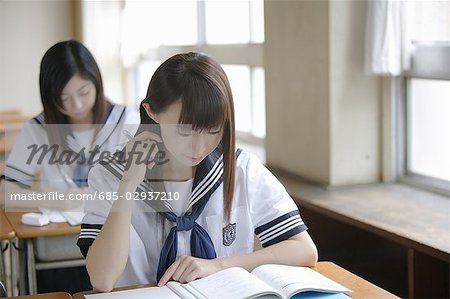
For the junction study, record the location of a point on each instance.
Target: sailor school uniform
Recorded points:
(22, 165)
(261, 207)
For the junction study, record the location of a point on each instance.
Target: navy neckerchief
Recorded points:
(208, 177)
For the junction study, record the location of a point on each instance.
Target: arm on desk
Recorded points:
(108, 254)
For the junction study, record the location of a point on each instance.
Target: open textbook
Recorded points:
(266, 281)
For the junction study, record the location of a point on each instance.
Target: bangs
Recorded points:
(204, 106)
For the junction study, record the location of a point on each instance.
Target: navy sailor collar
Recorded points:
(113, 116)
(208, 177)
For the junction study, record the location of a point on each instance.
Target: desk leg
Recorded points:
(7, 266)
(3, 263)
(22, 265)
(31, 267)
(15, 269)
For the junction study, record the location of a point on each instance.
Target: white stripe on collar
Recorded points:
(213, 178)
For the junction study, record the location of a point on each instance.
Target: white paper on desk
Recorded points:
(35, 219)
(53, 216)
(153, 292)
(73, 217)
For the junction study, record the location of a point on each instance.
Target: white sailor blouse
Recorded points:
(261, 207)
(32, 154)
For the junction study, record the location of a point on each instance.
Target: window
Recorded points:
(426, 102)
(232, 32)
(428, 127)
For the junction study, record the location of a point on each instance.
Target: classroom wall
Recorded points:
(355, 99)
(27, 28)
(296, 59)
(323, 119)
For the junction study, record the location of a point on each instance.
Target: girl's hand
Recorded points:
(140, 155)
(188, 268)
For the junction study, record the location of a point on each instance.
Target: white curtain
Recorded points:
(384, 40)
(395, 27)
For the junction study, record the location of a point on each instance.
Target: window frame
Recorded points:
(428, 61)
(249, 54)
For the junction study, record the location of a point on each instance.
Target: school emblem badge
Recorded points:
(229, 234)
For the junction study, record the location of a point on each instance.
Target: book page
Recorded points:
(152, 292)
(290, 280)
(232, 283)
(184, 291)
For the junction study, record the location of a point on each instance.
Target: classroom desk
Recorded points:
(27, 232)
(58, 295)
(25, 235)
(6, 230)
(10, 126)
(6, 235)
(361, 288)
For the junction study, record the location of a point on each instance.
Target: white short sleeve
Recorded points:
(101, 184)
(274, 213)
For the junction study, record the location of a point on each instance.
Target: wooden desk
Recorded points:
(6, 230)
(361, 288)
(6, 235)
(7, 117)
(10, 126)
(59, 295)
(25, 235)
(26, 231)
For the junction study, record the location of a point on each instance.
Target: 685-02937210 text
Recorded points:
(60, 196)
(149, 195)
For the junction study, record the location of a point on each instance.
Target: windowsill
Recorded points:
(414, 218)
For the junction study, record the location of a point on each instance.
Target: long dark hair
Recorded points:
(207, 102)
(59, 64)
